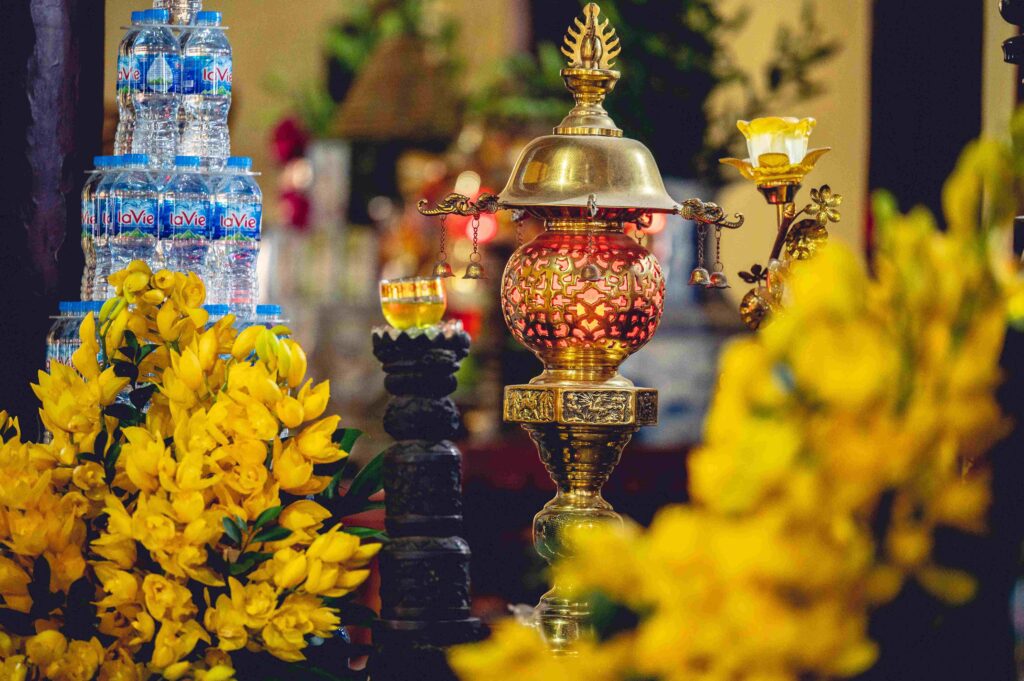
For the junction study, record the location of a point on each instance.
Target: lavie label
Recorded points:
(207, 75)
(239, 222)
(186, 220)
(135, 217)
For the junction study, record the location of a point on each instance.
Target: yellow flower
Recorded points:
(227, 622)
(46, 648)
(256, 602)
(175, 640)
(167, 600)
(314, 442)
(91, 479)
(285, 634)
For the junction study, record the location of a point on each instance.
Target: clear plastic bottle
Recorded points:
(216, 312)
(206, 91)
(183, 12)
(127, 81)
(236, 236)
(157, 59)
(104, 227)
(136, 209)
(186, 224)
(63, 338)
(90, 223)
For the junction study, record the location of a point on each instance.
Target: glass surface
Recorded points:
(413, 302)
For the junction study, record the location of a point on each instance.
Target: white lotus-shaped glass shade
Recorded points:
(777, 135)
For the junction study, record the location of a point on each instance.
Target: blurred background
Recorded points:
(354, 109)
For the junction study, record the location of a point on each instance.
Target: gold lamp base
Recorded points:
(580, 430)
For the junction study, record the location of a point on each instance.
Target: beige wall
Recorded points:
(843, 124)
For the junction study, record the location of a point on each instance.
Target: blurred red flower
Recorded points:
(289, 140)
(295, 209)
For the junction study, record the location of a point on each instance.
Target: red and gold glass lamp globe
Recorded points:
(583, 296)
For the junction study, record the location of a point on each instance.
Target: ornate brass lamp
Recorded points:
(777, 164)
(582, 296)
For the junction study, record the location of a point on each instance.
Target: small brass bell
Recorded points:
(591, 273)
(443, 270)
(699, 277)
(718, 280)
(474, 270)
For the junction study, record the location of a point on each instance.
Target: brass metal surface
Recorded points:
(564, 170)
(583, 404)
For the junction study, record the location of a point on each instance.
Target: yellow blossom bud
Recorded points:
(289, 410)
(291, 568)
(297, 369)
(187, 366)
(46, 647)
(163, 280)
(246, 342)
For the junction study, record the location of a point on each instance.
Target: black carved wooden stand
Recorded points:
(425, 566)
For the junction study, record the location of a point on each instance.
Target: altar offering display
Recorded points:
(583, 296)
(844, 437)
(181, 522)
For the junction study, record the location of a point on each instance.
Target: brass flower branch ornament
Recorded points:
(777, 164)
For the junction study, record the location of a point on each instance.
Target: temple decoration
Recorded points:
(425, 565)
(583, 296)
(777, 164)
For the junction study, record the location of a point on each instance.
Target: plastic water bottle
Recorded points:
(183, 12)
(90, 224)
(157, 59)
(237, 237)
(186, 206)
(206, 91)
(136, 209)
(104, 227)
(215, 312)
(127, 81)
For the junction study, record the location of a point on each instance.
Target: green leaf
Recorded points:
(276, 533)
(231, 529)
(331, 490)
(247, 561)
(112, 456)
(268, 516)
(367, 533)
(369, 480)
(345, 438)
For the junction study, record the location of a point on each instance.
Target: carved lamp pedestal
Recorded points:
(425, 565)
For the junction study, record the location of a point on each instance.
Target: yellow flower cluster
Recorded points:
(170, 516)
(839, 439)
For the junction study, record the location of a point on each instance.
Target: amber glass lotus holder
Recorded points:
(583, 296)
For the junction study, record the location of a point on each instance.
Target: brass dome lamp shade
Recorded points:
(583, 296)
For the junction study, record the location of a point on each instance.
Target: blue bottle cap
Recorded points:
(216, 310)
(243, 162)
(268, 310)
(64, 306)
(160, 16)
(208, 18)
(94, 306)
(186, 161)
(100, 161)
(135, 159)
(138, 17)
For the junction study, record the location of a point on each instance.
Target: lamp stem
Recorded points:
(784, 213)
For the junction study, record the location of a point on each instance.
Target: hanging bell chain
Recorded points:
(475, 270)
(441, 267)
(700, 275)
(717, 279)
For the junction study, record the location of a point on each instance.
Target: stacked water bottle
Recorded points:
(188, 220)
(172, 195)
